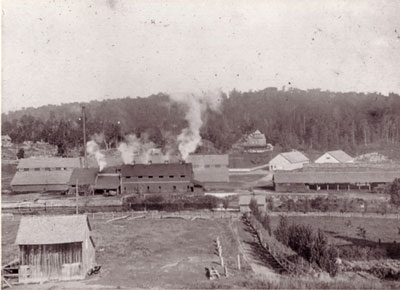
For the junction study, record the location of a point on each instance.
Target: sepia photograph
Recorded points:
(213, 144)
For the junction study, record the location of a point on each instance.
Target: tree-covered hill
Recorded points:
(306, 120)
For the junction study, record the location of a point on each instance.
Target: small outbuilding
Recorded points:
(85, 178)
(244, 202)
(288, 161)
(337, 156)
(54, 248)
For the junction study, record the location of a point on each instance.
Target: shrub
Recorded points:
(394, 191)
(282, 231)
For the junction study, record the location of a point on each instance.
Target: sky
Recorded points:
(62, 51)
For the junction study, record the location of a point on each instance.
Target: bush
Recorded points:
(394, 191)
(282, 231)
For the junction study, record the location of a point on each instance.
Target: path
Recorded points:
(259, 260)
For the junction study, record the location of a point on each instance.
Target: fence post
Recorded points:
(238, 261)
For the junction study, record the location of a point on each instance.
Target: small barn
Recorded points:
(41, 181)
(337, 156)
(210, 167)
(54, 248)
(157, 178)
(244, 202)
(107, 183)
(85, 178)
(288, 161)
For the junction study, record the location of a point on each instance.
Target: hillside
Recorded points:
(311, 120)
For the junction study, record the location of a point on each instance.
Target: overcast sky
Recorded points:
(77, 50)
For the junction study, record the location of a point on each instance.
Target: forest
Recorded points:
(291, 118)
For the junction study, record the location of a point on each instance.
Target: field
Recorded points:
(162, 253)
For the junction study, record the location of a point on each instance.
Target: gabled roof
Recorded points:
(157, 169)
(107, 181)
(340, 156)
(51, 162)
(336, 177)
(85, 176)
(41, 230)
(221, 159)
(245, 199)
(41, 177)
(295, 157)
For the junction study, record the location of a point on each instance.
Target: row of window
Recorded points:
(210, 166)
(43, 169)
(160, 176)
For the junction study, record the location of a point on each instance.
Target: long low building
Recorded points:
(309, 181)
(41, 181)
(157, 178)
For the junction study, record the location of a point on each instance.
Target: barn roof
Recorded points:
(336, 177)
(295, 157)
(41, 177)
(221, 159)
(107, 181)
(83, 175)
(41, 230)
(49, 162)
(245, 199)
(340, 156)
(157, 169)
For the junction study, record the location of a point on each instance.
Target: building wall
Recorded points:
(39, 187)
(290, 187)
(281, 163)
(51, 262)
(326, 158)
(133, 186)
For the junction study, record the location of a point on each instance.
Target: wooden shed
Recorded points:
(54, 248)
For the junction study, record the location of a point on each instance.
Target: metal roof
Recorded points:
(107, 181)
(340, 156)
(45, 230)
(336, 177)
(41, 177)
(49, 162)
(157, 169)
(295, 157)
(83, 175)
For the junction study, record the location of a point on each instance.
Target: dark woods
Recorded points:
(294, 118)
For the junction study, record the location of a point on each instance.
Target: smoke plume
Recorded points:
(196, 105)
(93, 149)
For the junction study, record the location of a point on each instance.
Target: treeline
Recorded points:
(301, 119)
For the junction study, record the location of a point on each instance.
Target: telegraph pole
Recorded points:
(84, 135)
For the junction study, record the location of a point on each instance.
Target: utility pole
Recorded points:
(84, 135)
(76, 197)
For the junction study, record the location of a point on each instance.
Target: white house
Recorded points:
(288, 161)
(337, 156)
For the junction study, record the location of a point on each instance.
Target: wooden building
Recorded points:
(308, 181)
(56, 248)
(157, 178)
(41, 181)
(107, 183)
(210, 167)
(337, 156)
(85, 178)
(288, 161)
(49, 164)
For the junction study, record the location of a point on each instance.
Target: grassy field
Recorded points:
(344, 230)
(162, 253)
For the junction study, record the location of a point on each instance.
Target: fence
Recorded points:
(188, 215)
(337, 214)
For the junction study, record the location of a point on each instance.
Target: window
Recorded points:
(26, 169)
(217, 166)
(174, 187)
(140, 176)
(58, 168)
(207, 166)
(37, 169)
(161, 176)
(47, 169)
(150, 176)
(127, 177)
(171, 176)
(183, 176)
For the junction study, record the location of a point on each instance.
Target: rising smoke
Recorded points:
(196, 105)
(93, 149)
